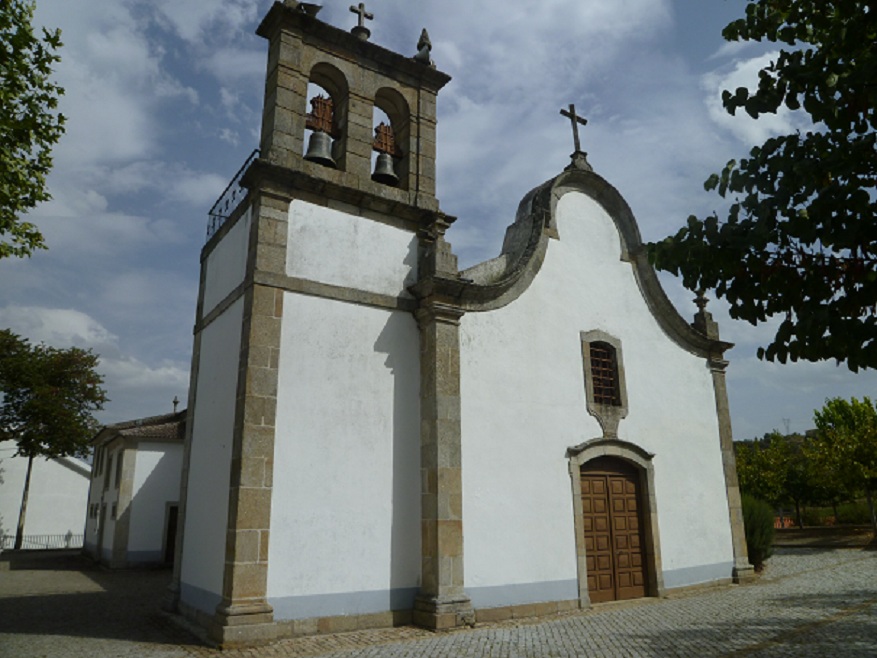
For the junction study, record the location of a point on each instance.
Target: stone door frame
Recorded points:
(642, 461)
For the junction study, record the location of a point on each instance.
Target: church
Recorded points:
(376, 437)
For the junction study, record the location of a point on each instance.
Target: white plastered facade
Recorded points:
(523, 405)
(348, 423)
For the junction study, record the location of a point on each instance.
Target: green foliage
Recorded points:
(29, 125)
(758, 526)
(853, 514)
(776, 469)
(800, 238)
(846, 445)
(48, 397)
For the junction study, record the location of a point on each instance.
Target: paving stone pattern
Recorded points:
(809, 603)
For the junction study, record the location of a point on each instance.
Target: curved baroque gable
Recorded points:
(499, 281)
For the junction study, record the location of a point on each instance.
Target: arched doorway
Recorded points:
(616, 523)
(613, 525)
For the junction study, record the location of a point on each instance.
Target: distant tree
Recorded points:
(846, 445)
(800, 239)
(48, 397)
(29, 125)
(777, 469)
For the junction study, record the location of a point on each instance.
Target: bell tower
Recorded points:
(328, 141)
(314, 275)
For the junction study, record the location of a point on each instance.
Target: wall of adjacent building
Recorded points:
(523, 405)
(56, 507)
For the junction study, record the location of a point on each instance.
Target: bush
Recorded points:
(853, 514)
(758, 526)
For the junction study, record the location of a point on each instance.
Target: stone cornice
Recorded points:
(284, 17)
(270, 178)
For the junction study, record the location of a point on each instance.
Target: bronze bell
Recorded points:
(385, 172)
(320, 149)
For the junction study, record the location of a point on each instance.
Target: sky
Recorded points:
(163, 103)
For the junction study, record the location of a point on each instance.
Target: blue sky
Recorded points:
(164, 103)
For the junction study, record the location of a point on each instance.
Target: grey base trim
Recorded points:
(696, 575)
(346, 603)
(523, 593)
(145, 557)
(198, 598)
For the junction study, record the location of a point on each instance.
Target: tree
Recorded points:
(48, 397)
(776, 469)
(29, 125)
(800, 238)
(846, 445)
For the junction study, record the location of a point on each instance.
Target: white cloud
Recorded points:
(744, 73)
(58, 327)
(135, 388)
(197, 189)
(195, 21)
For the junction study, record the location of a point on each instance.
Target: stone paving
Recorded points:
(809, 603)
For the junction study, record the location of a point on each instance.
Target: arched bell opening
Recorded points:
(326, 117)
(391, 148)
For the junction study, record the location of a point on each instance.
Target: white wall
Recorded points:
(345, 517)
(524, 404)
(57, 499)
(156, 483)
(329, 246)
(206, 521)
(226, 264)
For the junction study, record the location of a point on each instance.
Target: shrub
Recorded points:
(853, 514)
(758, 526)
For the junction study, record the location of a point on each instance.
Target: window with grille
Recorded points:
(604, 374)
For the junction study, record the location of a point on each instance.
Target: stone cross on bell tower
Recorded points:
(360, 30)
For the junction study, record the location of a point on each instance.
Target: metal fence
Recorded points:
(229, 199)
(31, 542)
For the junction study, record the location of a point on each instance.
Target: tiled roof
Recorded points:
(167, 427)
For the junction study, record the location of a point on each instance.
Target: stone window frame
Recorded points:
(641, 460)
(608, 415)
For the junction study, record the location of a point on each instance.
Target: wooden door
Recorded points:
(170, 533)
(613, 525)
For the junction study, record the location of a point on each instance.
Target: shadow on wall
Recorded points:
(140, 532)
(400, 341)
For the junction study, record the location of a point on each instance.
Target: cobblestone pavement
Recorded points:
(809, 603)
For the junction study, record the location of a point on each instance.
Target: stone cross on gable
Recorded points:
(363, 14)
(579, 157)
(575, 120)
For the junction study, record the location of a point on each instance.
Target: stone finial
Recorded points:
(703, 319)
(424, 46)
(360, 30)
(309, 8)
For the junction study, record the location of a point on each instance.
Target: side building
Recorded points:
(133, 498)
